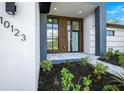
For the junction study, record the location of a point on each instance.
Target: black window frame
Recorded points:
(71, 31)
(53, 35)
(113, 32)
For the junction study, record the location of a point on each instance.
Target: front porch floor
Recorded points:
(68, 56)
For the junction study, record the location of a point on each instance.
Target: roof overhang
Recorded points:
(112, 25)
(73, 9)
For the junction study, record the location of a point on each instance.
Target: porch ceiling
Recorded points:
(72, 9)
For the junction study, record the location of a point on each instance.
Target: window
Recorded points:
(52, 34)
(110, 33)
(73, 32)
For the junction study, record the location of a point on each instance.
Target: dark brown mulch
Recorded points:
(50, 81)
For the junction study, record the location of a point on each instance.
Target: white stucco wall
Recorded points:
(89, 34)
(19, 60)
(117, 41)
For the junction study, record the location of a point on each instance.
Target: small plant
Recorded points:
(84, 61)
(119, 79)
(117, 52)
(87, 82)
(66, 79)
(107, 55)
(121, 60)
(46, 65)
(110, 88)
(109, 52)
(76, 87)
(99, 70)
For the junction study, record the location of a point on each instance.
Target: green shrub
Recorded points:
(117, 52)
(99, 70)
(121, 60)
(110, 53)
(46, 65)
(110, 88)
(107, 55)
(87, 82)
(119, 79)
(76, 87)
(84, 61)
(66, 79)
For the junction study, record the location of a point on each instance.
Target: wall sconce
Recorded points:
(10, 8)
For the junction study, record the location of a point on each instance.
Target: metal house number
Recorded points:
(15, 31)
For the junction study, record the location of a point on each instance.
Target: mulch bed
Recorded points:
(50, 81)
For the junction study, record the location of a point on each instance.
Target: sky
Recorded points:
(115, 10)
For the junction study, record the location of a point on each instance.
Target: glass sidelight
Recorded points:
(73, 35)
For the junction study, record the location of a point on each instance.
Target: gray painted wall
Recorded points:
(100, 23)
(43, 37)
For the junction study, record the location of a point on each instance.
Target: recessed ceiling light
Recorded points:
(79, 12)
(50, 20)
(55, 8)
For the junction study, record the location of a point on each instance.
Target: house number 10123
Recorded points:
(14, 30)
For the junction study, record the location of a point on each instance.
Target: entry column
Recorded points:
(43, 37)
(100, 27)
